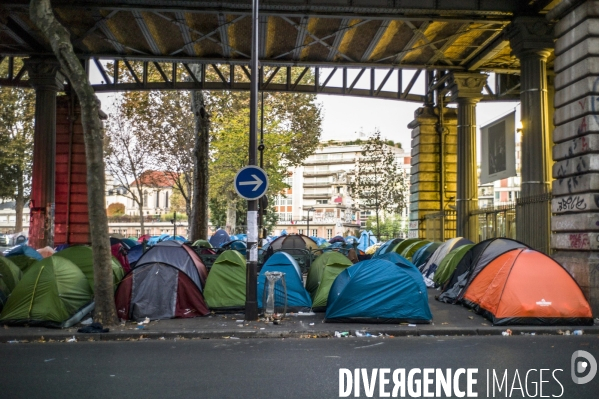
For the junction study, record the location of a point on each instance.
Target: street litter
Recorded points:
(72, 339)
(578, 332)
(507, 333)
(239, 321)
(87, 322)
(411, 325)
(311, 324)
(234, 338)
(146, 321)
(341, 334)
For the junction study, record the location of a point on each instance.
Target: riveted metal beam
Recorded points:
(375, 40)
(184, 29)
(141, 23)
(224, 35)
(301, 38)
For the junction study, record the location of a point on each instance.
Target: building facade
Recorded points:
(318, 202)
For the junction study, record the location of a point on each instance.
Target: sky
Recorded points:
(344, 117)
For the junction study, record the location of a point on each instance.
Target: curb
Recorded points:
(299, 334)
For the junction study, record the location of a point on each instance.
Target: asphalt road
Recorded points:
(282, 368)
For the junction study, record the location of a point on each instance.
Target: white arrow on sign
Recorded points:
(257, 182)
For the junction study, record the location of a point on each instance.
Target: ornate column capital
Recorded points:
(44, 73)
(530, 36)
(467, 86)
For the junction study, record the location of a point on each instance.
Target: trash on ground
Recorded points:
(239, 321)
(146, 321)
(87, 322)
(311, 324)
(578, 332)
(411, 325)
(341, 334)
(507, 333)
(72, 339)
(94, 328)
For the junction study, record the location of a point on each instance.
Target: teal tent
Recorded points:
(379, 291)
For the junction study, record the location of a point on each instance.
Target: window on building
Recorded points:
(322, 202)
(300, 231)
(314, 233)
(157, 200)
(329, 234)
(166, 200)
(497, 195)
(145, 198)
(510, 195)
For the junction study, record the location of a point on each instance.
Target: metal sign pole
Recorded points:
(251, 304)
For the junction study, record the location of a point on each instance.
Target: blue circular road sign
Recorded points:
(251, 182)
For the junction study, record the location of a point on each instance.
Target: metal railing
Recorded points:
(534, 221)
(498, 221)
(440, 226)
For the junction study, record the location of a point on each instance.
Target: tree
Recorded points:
(378, 183)
(115, 209)
(16, 145)
(291, 133)
(175, 127)
(42, 16)
(130, 155)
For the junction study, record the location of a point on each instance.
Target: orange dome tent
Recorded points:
(524, 286)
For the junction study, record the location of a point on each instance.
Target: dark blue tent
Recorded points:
(386, 247)
(424, 253)
(218, 238)
(298, 299)
(134, 254)
(237, 245)
(379, 291)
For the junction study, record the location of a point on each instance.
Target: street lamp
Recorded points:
(308, 220)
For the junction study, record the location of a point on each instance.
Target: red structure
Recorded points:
(71, 222)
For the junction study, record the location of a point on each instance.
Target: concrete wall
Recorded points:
(575, 223)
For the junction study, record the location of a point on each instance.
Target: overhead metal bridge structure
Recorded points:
(432, 52)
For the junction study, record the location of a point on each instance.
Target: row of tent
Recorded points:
(502, 279)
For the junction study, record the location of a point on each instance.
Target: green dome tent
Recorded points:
(82, 257)
(201, 244)
(53, 292)
(412, 248)
(402, 245)
(449, 262)
(23, 262)
(10, 275)
(225, 286)
(322, 273)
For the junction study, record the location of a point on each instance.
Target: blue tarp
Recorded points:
(24, 250)
(219, 237)
(366, 239)
(298, 298)
(379, 291)
(351, 240)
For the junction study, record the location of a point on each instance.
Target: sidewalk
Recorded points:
(448, 320)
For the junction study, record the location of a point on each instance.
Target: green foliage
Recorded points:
(17, 111)
(390, 227)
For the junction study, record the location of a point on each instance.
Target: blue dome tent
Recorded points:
(379, 291)
(298, 298)
(219, 238)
